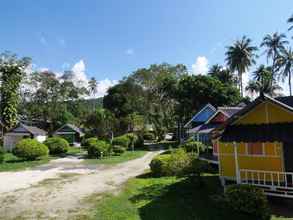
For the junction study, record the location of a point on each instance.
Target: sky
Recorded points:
(109, 39)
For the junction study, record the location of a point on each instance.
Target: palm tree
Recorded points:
(285, 64)
(263, 82)
(239, 57)
(273, 44)
(92, 88)
(223, 74)
(290, 21)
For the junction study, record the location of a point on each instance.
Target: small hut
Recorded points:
(71, 133)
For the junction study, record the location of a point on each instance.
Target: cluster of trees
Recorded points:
(162, 95)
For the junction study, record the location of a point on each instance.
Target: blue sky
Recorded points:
(111, 38)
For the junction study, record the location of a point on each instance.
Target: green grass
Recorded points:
(112, 160)
(13, 163)
(166, 198)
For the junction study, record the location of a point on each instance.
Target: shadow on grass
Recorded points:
(184, 201)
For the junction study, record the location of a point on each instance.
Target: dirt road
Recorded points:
(57, 190)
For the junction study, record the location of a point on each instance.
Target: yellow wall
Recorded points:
(272, 160)
(266, 113)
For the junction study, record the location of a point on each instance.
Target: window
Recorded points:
(255, 149)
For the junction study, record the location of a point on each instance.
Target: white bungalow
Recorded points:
(11, 138)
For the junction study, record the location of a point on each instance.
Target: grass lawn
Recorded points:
(111, 160)
(167, 198)
(13, 163)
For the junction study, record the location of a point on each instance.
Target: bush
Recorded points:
(132, 139)
(30, 149)
(149, 136)
(89, 141)
(172, 164)
(122, 140)
(248, 199)
(99, 149)
(57, 145)
(2, 152)
(194, 146)
(118, 150)
(139, 142)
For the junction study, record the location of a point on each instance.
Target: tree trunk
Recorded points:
(241, 85)
(290, 84)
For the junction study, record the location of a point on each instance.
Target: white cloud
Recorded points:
(129, 51)
(200, 66)
(103, 86)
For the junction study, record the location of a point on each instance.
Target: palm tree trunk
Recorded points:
(290, 84)
(241, 84)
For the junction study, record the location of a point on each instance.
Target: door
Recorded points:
(288, 156)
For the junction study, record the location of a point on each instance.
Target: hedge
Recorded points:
(89, 141)
(2, 153)
(122, 141)
(248, 199)
(30, 149)
(118, 150)
(57, 145)
(99, 149)
(194, 146)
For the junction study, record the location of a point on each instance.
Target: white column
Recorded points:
(238, 177)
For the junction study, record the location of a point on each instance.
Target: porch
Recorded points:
(273, 183)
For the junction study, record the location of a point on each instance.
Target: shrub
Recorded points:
(248, 199)
(194, 146)
(118, 150)
(89, 141)
(98, 149)
(2, 152)
(30, 149)
(57, 145)
(172, 164)
(149, 136)
(122, 140)
(140, 141)
(132, 139)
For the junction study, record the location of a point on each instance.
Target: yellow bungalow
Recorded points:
(255, 146)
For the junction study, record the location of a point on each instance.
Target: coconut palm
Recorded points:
(240, 56)
(92, 89)
(263, 82)
(273, 44)
(290, 21)
(285, 64)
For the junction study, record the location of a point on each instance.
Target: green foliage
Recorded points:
(193, 146)
(89, 141)
(99, 149)
(12, 73)
(149, 136)
(30, 149)
(122, 140)
(118, 150)
(172, 164)
(2, 153)
(57, 145)
(248, 199)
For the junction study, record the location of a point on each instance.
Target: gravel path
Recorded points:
(57, 190)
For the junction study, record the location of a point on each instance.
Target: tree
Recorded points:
(285, 64)
(273, 44)
(239, 57)
(12, 71)
(92, 88)
(263, 82)
(222, 74)
(290, 21)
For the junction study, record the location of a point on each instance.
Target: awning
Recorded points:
(281, 132)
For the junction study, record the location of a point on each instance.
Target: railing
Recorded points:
(271, 179)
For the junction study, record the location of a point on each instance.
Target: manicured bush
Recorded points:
(57, 145)
(89, 141)
(99, 149)
(122, 140)
(248, 199)
(194, 146)
(132, 139)
(172, 164)
(118, 150)
(149, 136)
(2, 152)
(30, 149)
